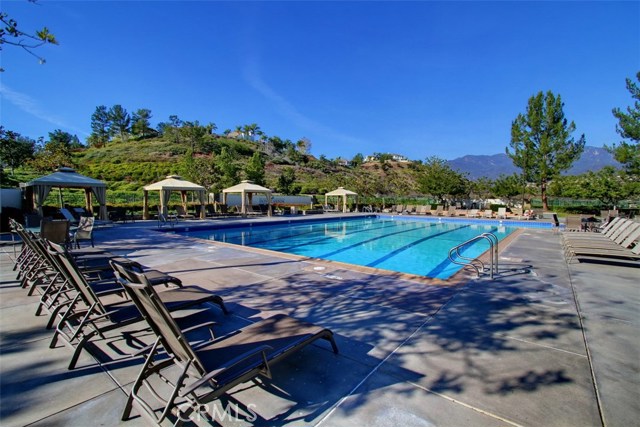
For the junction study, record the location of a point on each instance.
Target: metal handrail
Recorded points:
(472, 262)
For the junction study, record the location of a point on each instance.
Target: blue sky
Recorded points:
(418, 78)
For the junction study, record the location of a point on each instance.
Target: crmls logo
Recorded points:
(214, 413)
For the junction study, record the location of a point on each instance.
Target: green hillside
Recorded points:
(128, 166)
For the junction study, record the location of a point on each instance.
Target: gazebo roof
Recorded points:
(174, 182)
(341, 191)
(246, 187)
(66, 177)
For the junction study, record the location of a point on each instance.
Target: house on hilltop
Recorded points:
(386, 156)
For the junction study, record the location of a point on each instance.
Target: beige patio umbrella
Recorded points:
(341, 192)
(246, 190)
(165, 187)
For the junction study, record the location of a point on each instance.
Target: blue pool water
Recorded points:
(415, 247)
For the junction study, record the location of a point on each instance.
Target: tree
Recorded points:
(254, 169)
(100, 125)
(439, 180)
(227, 167)
(193, 133)
(251, 131)
(628, 153)
(277, 143)
(304, 145)
(285, 181)
(606, 185)
(55, 153)
(542, 143)
(482, 187)
(140, 123)
(11, 35)
(201, 170)
(357, 160)
(171, 130)
(507, 186)
(120, 121)
(15, 149)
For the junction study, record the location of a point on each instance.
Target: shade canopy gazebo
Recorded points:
(341, 192)
(246, 190)
(165, 187)
(39, 188)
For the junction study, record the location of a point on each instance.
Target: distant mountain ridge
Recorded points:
(492, 166)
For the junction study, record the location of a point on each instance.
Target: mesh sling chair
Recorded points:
(89, 316)
(56, 231)
(207, 371)
(84, 231)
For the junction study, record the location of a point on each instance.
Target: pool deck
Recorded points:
(544, 343)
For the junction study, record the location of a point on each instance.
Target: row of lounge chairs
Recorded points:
(618, 242)
(453, 211)
(91, 292)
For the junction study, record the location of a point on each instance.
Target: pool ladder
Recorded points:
(456, 258)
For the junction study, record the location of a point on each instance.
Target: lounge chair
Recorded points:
(68, 216)
(81, 322)
(439, 210)
(502, 213)
(623, 237)
(603, 254)
(84, 231)
(204, 373)
(451, 211)
(56, 231)
(182, 213)
(472, 213)
(421, 210)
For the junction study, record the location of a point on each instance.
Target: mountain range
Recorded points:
(492, 166)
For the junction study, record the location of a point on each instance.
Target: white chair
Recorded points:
(84, 231)
(502, 213)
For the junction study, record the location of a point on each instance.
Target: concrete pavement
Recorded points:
(522, 349)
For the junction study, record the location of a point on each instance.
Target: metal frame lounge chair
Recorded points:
(623, 237)
(89, 316)
(66, 213)
(604, 254)
(56, 231)
(182, 213)
(205, 372)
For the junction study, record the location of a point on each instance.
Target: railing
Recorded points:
(475, 262)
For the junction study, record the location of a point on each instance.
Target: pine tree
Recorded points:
(542, 143)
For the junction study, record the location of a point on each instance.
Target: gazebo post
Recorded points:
(87, 201)
(344, 204)
(183, 197)
(202, 205)
(244, 203)
(145, 204)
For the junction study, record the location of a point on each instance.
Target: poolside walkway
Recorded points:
(522, 349)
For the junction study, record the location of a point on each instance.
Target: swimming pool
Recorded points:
(406, 246)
